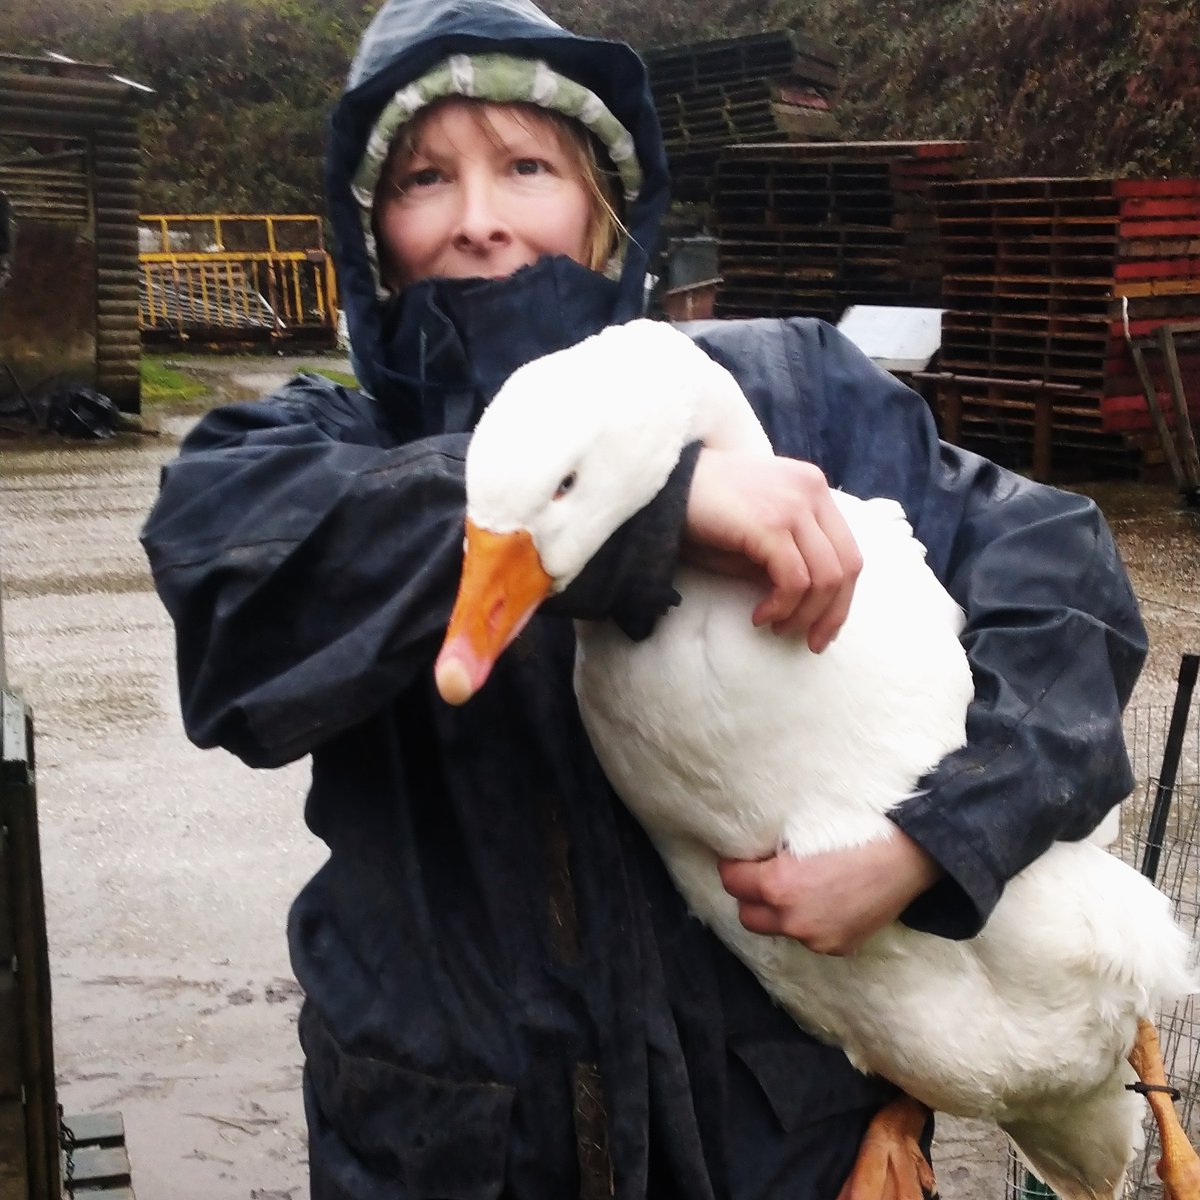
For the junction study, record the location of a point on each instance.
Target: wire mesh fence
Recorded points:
(1159, 835)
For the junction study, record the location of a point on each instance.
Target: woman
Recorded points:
(504, 994)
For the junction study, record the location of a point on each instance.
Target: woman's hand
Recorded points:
(831, 902)
(775, 519)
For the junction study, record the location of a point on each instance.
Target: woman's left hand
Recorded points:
(830, 902)
(774, 519)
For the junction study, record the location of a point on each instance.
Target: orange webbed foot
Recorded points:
(1179, 1167)
(891, 1164)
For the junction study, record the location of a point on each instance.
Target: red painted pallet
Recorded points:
(1063, 264)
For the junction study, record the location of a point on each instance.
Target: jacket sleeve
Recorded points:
(1053, 633)
(307, 567)
(1055, 642)
(310, 566)
(1053, 636)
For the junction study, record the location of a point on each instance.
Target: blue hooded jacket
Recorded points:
(505, 994)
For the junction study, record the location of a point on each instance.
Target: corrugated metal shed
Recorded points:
(70, 166)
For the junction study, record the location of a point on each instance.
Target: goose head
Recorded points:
(571, 447)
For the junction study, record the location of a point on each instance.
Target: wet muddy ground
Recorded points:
(168, 871)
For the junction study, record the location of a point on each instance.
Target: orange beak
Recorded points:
(503, 582)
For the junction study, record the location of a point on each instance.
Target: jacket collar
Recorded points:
(447, 345)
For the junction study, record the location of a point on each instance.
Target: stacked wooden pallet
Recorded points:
(760, 88)
(1043, 279)
(1157, 283)
(811, 228)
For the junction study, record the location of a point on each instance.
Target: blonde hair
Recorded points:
(583, 152)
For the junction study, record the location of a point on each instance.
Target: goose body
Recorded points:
(727, 740)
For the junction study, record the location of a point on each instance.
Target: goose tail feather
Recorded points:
(1083, 1150)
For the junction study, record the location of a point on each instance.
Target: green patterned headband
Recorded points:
(500, 79)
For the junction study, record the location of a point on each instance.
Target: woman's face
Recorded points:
(481, 197)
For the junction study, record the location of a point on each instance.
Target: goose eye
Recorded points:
(568, 482)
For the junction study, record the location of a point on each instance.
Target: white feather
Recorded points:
(725, 739)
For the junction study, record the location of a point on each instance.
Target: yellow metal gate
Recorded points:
(223, 277)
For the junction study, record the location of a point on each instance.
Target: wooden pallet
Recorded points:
(1174, 421)
(1026, 423)
(811, 228)
(1059, 263)
(675, 69)
(761, 88)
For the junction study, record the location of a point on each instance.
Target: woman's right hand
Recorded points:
(775, 520)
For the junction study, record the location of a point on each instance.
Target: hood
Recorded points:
(434, 355)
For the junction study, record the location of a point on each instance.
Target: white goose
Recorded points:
(725, 739)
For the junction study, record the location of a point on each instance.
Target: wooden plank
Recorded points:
(1139, 328)
(1188, 457)
(12, 1073)
(949, 407)
(1158, 268)
(1128, 415)
(1160, 247)
(1158, 187)
(1147, 229)
(7, 918)
(14, 1175)
(18, 812)
(1164, 287)
(1150, 395)
(1146, 208)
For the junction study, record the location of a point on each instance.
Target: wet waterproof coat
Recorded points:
(505, 995)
